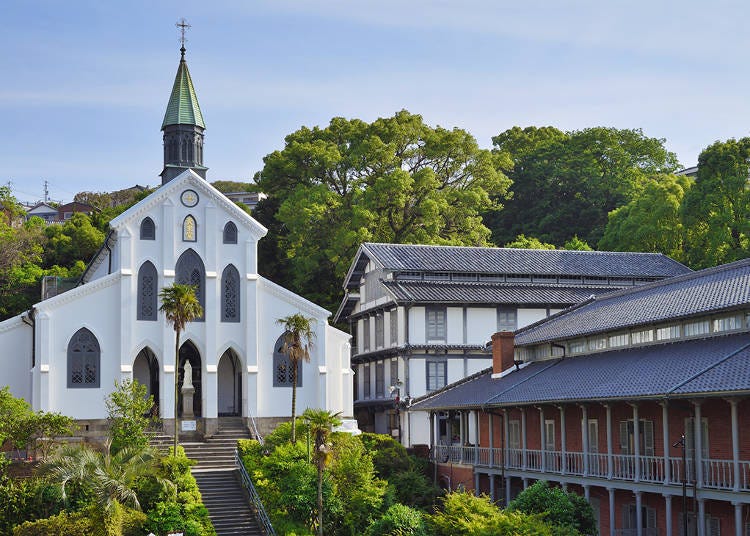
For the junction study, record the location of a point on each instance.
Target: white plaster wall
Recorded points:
(455, 369)
(417, 377)
(454, 325)
(339, 374)
(529, 316)
(15, 356)
(481, 323)
(417, 325)
(419, 428)
(474, 365)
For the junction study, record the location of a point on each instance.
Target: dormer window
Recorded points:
(148, 229)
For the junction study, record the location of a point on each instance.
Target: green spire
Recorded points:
(183, 108)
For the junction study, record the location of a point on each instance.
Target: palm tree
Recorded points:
(321, 422)
(298, 341)
(180, 304)
(111, 477)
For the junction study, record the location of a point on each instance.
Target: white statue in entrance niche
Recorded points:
(187, 391)
(187, 377)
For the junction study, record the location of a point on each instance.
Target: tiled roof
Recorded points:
(183, 108)
(410, 257)
(718, 365)
(704, 292)
(491, 293)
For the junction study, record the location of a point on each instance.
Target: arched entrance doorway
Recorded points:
(146, 372)
(188, 352)
(229, 374)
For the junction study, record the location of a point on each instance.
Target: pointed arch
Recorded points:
(189, 353)
(230, 233)
(146, 372)
(189, 270)
(230, 294)
(229, 379)
(84, 360)
(189, 229)
(148, 284)
(148, 229)
(282, 368)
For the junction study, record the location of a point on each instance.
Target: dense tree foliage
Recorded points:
(557, 507)
(716, 210)
(129, 415)
(565, 183)
(394, 180)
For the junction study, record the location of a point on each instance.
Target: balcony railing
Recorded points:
(716, 474)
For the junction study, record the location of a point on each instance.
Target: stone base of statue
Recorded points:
(187, 402)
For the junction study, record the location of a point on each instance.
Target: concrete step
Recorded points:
(227, 503)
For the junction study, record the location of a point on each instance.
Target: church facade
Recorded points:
(67, 352)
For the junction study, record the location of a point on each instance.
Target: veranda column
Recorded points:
(432, 433)
(506, 436)
(492, 487)
(587, 492)
(636, 446)
(668, 512)
(638, 512)
(524, 454)
(610, 464)
(737, 518)
(507, 490)
(491, 425)
(611, 492)
(698, 440)
(701, 517)
(563, 441)
(461, 435)
(585, 430)
(476, 437)
(735, 445)
(542, 440)
(667, 442)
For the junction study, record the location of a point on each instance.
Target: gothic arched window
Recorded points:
(189, 229)
(282, 368)
(84, 356)
(148, 229)
(230, 294)
(190, 271)
(230, 233)
(147, 292)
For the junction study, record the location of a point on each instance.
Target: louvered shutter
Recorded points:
(624, 443)
(648, 438)
(650, 518)
(713, 526)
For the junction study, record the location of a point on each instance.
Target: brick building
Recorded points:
(562, 398)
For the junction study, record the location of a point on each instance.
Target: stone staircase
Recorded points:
(218, 478)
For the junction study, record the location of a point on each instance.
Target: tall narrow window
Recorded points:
(366, 380)
(394, 372)
(148, 229)
(435, 324)
(230, 294)
(366, 334)
(380, 379)
(437, 372)
(147, 292)
(645, 434)
(84, 357)
(189, 229)
(190, 271)
(230, 233)
(393, 320)
(282, 367)
(379, 331)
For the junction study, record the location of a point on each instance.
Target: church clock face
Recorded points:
(189, 198)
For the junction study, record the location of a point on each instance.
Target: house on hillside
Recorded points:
(67, 352)
(42, 210)
(66, 211)
(623, 398)
(421, 316)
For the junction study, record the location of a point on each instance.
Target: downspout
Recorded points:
(30, 321)
(109, 253)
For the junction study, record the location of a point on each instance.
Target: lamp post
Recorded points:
(397, 404)
(681, 444)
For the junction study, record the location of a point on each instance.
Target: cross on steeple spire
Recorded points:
(183, 25)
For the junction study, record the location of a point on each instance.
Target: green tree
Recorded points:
(394, 180)
(320, 422)
(651, 221)
(565, 183)
(399, 520)
(21, 250)
(716, 210)
(180, 305)
(558, 506)
(298, 340)
(576, 244)
(112, 477)
(226, 187)
(129, 410)
(76, 239)
(528, 242)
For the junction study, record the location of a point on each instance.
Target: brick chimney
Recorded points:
(502, 351)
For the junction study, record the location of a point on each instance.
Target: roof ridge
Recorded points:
(706, 369)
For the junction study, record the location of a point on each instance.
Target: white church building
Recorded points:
(67, 352)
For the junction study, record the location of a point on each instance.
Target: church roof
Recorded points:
(183, 108)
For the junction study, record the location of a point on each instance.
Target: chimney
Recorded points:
(502, 352)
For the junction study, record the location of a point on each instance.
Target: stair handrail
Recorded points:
(255, 429)
(260, 511)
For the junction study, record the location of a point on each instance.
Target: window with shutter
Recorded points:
(514, 434)
(549, 435)
(366, 334)
(380, 379)
(394, 372)
(435, 324)
(379, 331)
(436, 374)
(506, 319)
(366, 380)
(690, 437)
(646, 433)
(624, 438)
(393, 320)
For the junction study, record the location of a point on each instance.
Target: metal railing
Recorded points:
(716, 474)
(260, 513)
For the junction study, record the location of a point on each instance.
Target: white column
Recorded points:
(507, 490)
(210, 361)
(637, 446)
(506, 435)
(492, 487)
(698, 438)
(585, 430)
(563, 441)
(735, 444)
(587, 492)
(668, 513)
(491, 425)
(701, 517)
(610, 464)
(476, 484)
(250, 319)
(476, 437)
(737, 518)
(667, 442)
(432, 431)
(638, 512)
(611, 492)
(543, 440)
(524, 462)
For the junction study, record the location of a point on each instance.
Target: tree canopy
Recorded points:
(394, 180)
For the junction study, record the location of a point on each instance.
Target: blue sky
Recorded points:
(84, 84)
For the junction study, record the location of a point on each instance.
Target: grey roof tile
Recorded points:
(707, 291)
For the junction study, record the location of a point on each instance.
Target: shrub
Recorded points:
(388, 455)
(128, 408)
(399, 520)
(558, 506)
(80, 523)
(413, 488)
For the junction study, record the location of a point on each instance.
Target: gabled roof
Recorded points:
(41, 208)
(183, 108)
(485, 260)
(703, 367)
(697, 293)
